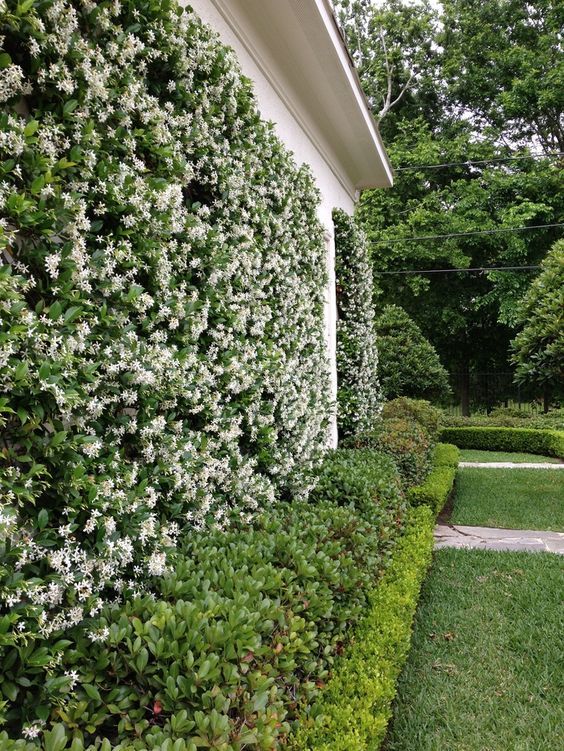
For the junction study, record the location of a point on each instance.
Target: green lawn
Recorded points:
(511, 498)
(486, 670)
(473, 455)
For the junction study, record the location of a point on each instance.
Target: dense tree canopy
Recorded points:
(473, 122)
(539, 346)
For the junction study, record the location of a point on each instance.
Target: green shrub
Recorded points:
(538, 349)
(435, 490)
(406, 442)
(509, 419)
(446, 455)
(364, 478)
(408, 364)
(244, 627)
(353, 711)
(528, 440)
(418, 410)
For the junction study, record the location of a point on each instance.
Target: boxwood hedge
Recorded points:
(353, 712)
(529, 440)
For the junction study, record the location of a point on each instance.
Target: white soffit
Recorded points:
(298, 46)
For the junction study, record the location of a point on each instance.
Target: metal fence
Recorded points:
(482, 392)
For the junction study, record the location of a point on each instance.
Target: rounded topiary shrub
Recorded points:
(162, 355)
(418, 410)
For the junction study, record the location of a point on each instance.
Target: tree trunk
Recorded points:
(546, 400)
(465, 390)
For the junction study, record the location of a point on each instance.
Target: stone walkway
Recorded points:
(489, 538)
(513, 465)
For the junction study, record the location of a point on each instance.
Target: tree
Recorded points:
(469, 317)
(408, 363)
(393, 50)
(503, 61)
(539, 346)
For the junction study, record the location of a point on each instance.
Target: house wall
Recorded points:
(299, 136)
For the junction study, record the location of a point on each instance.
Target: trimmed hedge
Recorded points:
(508, 418)
(548, 442)
(353, 712)
(446, 455)
(434, 492)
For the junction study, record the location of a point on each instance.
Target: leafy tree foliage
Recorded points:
(503, 61)
(539, 346)
(408, 363)
(465, 76)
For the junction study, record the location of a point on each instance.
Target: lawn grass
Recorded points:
(474, 455)
(510, 498)
(486, 670)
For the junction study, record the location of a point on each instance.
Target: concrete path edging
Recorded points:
(490, 538)
(512, 465)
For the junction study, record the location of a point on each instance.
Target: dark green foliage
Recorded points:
(245, 627)
(407, 443)
(539, 346)
(361, 477)
(408, 364)
(353, 712)
(478, 80)
(503, 61)
(550, 442)
(418, 410)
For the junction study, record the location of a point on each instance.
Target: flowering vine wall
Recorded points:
(162, 354)
(358, 394)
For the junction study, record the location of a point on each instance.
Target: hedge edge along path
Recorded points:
(354, 711)
(528, 440)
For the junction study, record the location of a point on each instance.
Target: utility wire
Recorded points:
(458, 271)
(465, 234)
(470, 163)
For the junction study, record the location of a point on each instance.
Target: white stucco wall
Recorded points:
(334, 193)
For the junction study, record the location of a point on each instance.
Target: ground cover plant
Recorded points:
(163, 360)
(510, 498)
(485, 669)
(474, 455)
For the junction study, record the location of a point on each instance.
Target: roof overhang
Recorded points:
(299, 47)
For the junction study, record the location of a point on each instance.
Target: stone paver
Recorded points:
(512, 465)
(489, 538)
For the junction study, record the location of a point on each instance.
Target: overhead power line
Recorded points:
(471, 163)
(459, 271)
(465, 234)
